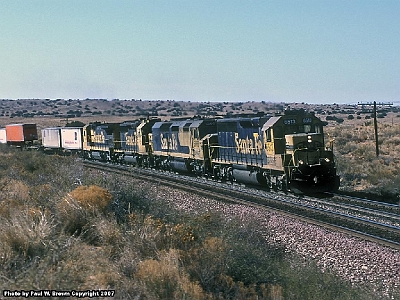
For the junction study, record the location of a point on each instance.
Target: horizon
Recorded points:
(316, 52)
(393, 103)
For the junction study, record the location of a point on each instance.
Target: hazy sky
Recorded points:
(315, 51)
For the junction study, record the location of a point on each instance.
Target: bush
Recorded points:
(82, 206)
(92, 197)
(27, 233)
(166, 279)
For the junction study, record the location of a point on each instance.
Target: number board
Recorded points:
(289, 121)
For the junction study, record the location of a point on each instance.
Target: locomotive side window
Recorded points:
(195, 133)
(268, 135)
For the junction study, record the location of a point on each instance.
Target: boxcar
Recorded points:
(71, 138)
(51, 139)
(21, 134)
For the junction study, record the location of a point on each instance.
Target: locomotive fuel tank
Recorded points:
(245, 174)
(180, 165)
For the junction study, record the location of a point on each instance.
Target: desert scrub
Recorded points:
(79, 208)
(357, 164)
(165, 278)
(92, 197)
(27, 233)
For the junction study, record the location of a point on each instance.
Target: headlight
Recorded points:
(327, 160)
(301, 162)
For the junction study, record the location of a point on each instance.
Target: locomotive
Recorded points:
(284, 152)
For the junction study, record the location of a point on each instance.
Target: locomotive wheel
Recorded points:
(281, 185)
(270, 185)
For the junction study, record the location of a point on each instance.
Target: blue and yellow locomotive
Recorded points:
(280, 152)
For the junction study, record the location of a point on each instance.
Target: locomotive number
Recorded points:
(289, 121)
(307, 120)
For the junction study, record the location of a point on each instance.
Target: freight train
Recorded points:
(285, 152)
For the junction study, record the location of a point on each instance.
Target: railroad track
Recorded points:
(375, 222)
(379, 212)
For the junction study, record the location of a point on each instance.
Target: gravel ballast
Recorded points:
(353, 259)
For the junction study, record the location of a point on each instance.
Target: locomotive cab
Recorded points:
(295, 144)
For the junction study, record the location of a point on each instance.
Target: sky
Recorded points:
(313, 51)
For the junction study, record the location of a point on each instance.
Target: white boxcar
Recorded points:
(51, 138)
(71, 138)
(3, 136)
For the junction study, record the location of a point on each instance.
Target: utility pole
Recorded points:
(376, 131)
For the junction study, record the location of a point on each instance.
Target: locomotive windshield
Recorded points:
(306, 128)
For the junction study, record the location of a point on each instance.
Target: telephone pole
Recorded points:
(376, 131)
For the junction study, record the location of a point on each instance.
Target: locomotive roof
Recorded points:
(271, 122)
(162, 125)
(207, 122)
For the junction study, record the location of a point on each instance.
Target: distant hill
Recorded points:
(71, 108)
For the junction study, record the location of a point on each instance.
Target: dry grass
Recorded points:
(165, 278)
(80, 208)
(92, 197)
(27, 232)
(358, 165)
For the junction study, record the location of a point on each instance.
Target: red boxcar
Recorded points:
(21, 133)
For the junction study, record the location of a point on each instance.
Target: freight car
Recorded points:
(62, 140)
(3, 136)
(21, 134)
